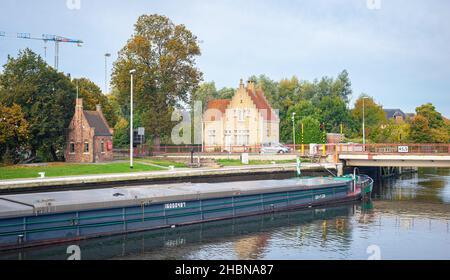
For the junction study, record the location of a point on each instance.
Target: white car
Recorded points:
(275, 149)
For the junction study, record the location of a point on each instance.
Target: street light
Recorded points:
(131, 119)
(364, 121)
(106, 71)
(293, 127)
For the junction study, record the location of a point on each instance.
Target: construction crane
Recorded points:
(46, 38)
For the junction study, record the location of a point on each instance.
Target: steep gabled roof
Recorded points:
(219, 104)
(262, 104)
(96, 121)
(391, 113)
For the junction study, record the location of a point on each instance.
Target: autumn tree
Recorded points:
(163, 55)
(92, 96)
(420, 130)
(47, 100)
(14, 133)
(429, 126)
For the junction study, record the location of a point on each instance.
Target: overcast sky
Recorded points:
(399, 54)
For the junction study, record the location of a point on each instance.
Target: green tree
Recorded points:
(14, 132)
(205, 93)
(312, 133)
(333, 113)
(92, 96)
(47, 99)
(342, 87)
(302, 110)
(393, 133)
(374, 114)
(121, 133)
(163, 55)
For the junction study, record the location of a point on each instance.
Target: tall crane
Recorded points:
(46, 38)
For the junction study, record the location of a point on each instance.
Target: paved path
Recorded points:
(181, 173)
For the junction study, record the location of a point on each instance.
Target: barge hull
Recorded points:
(57, 227)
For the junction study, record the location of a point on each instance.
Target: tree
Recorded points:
(374, 115)
(435, 119)
(333, 113)
(342, 87)
(163, 55)
(92, 96)
(393, 133)
(205, 93)
(47, 99)
(429, 126)
(420, 130)
(121, 133)
(312, 133)
(14, 132)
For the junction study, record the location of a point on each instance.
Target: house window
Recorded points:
(243, 138)
(241, 115)
(72, 148)
(212, 137)
(102, 147)
(86, 147)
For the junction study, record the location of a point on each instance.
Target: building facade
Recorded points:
(242, 123)
(89, 137)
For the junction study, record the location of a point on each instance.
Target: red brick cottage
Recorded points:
(89, 137)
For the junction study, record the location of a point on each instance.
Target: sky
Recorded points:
(397, 51)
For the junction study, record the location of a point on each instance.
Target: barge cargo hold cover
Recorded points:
(52, 217)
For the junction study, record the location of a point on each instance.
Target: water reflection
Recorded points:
(408, 219)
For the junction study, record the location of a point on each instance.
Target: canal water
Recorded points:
(408, 218)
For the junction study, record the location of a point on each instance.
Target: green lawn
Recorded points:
(163, 162)
(62, 169)
(236, 162)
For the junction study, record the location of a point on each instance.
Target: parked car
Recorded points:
(274, 148)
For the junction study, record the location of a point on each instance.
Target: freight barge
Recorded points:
(46, 218)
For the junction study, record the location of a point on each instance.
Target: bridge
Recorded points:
(394, 155)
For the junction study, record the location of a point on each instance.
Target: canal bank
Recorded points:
(230, 173)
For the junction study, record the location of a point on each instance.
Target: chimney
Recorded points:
(98, 108)
(251, 85)
(79, 104)
(241, 84)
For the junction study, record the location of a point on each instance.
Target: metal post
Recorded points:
(56, 55)
(303, 140)
(293, 128)
(364, 123)
(131, 120)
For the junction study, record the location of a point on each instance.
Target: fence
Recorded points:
(322, 150)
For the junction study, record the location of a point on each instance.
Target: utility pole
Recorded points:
(106, 71)
(364, 121)
(131, 119)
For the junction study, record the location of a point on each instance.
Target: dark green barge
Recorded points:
(46, 218)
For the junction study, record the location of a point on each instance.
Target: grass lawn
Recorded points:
(62, 169)
(236, 162)
(163, 162)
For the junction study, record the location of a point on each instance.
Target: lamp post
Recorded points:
(106, 71)
(364, 121)
(293, 128)
(131, 119)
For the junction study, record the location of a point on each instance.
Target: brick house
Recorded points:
(89, 137)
